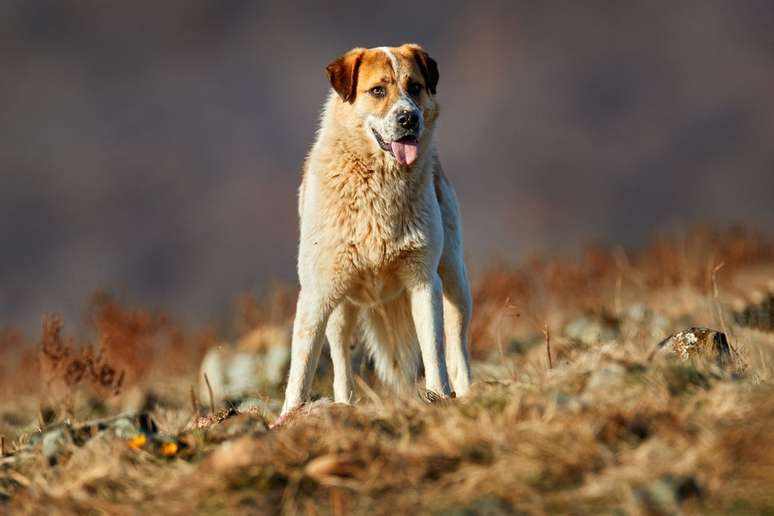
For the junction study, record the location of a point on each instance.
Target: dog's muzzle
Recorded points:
(404, 149)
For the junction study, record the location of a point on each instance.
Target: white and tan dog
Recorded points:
(381, 247)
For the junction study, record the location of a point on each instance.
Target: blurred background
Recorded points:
(153, 149)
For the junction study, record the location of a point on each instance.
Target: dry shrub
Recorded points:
(492, 300)
(128, 337)
(11, 341)
(688, 260)
(64, 361)
(183, 349)
(130, 344)
(276, 308)
(538, 288)
(142, 341)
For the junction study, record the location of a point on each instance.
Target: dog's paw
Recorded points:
(286, 416)
(433, 397)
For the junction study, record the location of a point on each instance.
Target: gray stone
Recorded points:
(608, 377)
(590, 330)
(255, 364)
(568, 402)
(665, 494)
(124, 428)
(54, 442)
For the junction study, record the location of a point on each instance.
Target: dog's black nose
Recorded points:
(408, 119)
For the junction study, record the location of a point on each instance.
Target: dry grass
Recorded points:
(571, 411)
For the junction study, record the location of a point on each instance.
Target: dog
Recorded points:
(380, 248)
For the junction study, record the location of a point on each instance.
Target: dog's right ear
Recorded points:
(343, 74)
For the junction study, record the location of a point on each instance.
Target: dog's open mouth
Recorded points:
(404, 149)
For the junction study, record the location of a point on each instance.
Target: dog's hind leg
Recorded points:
(339, 332)
(391, 341)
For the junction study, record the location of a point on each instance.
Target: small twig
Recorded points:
(547, 335)
(209, 390)
(194, 404)
(119, 383)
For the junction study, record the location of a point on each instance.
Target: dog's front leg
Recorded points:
(427, 311)
(457, 308)
(308, 333)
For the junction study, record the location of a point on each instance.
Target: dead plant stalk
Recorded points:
(547, 335)
(209, 391)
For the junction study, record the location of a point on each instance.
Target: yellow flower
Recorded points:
(169, 449)
(138, 441)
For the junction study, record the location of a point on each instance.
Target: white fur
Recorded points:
(380, 251)
(393, 60)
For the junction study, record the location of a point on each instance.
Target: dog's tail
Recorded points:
(391, 342)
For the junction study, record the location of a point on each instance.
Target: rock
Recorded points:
(276, 361)
(569, 402)
(53, 444)
(55, 439)
(608, 377)
(758, 314)
(124, 428)
(258, 362)
(639, 319)
(750, 297)
(665, 494)
(637, 312)
(658, 326)
(697, 344)
(592, 330)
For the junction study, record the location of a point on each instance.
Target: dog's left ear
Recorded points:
(343, 74)
(427, 66)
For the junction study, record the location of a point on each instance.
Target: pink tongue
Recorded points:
(404, 152)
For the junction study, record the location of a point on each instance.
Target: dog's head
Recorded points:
(388, 94)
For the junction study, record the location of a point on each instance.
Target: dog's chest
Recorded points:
(381, 218)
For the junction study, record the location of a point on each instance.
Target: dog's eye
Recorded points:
(414, 88)
(377, 91)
